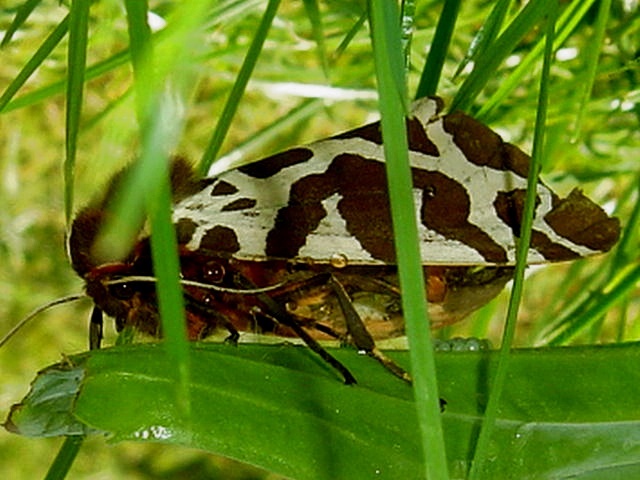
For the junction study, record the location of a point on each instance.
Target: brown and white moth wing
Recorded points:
(330, 199)
(476, 186)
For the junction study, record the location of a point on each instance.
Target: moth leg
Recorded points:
(330, 331)
(95, 329)
(362, 339)
(310, 342)
(233, 337)
(283, 317)
(320, 279)
(221, 319)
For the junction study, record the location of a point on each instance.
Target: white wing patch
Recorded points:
(332, 238)
(271, 194)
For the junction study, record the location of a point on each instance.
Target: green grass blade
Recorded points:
(388, 55)
(597, 305)
(239, 86)
(162, 123)
(139, 32)
(592, 54)
(569, 20)
(407, 25)
(21, 17)
(392, 71)
(439, 47)
(140, 49)
(34, 62)
(164, 249)
(76, 62)
(607, 286)
(241, 154)
(486, 34)
(317, 31)
(57, 88)
(65, 458)
(353, 31)
(488, 63)
(162, 85)
(482, 451)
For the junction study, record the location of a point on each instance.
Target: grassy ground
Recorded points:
(601, 157)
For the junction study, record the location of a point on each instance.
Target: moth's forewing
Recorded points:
(330, 198)
(324, 208)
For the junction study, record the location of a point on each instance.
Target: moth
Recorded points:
(296, 244)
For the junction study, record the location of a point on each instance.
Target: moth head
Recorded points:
(124, 290)
(129, 303)
(104, 270)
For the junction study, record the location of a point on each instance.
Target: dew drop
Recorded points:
(339, 260)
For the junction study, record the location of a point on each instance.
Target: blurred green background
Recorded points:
(334, 92)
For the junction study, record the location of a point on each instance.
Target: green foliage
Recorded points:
(261, 402)
(209, 77)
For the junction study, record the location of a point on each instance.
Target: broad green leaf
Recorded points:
(566, 412)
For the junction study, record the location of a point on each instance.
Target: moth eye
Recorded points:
(122, 291)
(213, 272)
(430, 192)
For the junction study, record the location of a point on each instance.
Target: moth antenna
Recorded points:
(37, 311)
(192, 283)
(246, 291)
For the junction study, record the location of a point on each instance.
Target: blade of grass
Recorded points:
(407, 16)
(627, 248)
(571, 17)
(481, 454)
(169, 75)
(486, 35)
(317, 30)
(581, 311)
(65, 458)
(164, 81)
(36, 96)
(235, 157)
(388, 57)
(164, 247)
(215, 143)
(76, 64)
(598, 305)
(21, 16)
(34, 62)
(592, 55)
(488, 63)
(439, 47)
(346, 41)
(163, 86)
(164, 250)
(140, 49)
